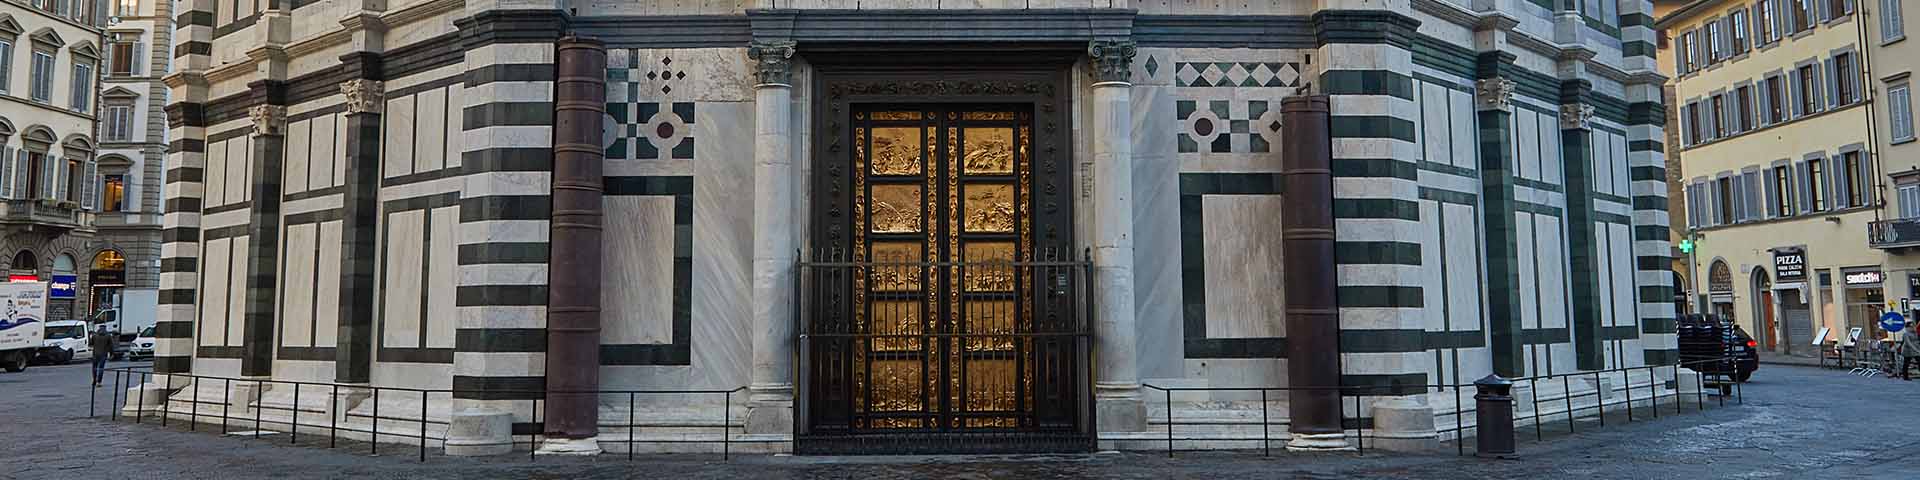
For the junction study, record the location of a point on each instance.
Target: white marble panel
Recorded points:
(216, 174)
(722, 245)
(240, 169)
(456, 103)
(401, 282)
(1552, 164)
(1464, 262)
(1602, 162)
(326, 315)
(213, 314)
(1618, 166)
(1527, 144)
(1529, 258)
(1432, 270)
(637, 303)
(1156, 225)
(1239, 372)
(1436, 129)
(429, 143)
(441, 265)
(294, 173)
(297, 287)
(236, 281)
(1622, 278)
(712, 75)
(1244, 294)
(339, 156)
(1605, 269)
(396, 144)
(1465, 147)
(1551, 254)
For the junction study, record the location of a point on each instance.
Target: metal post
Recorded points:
(258, 386)
(1628, 379)
(1266, 444)
(294, 430)
(1653, 393)
(1534, 386)
(140, 408)
(374, 445)
(1493, 404)
(95, 392)
(1459, 423)
(1169, 423)
(194, 425)
(1678, 401)
(226, 403)
(630, 427)
(423, 425)
(1567, 385)
(1599, 399)
(333, 413)
(533, 438)
(726, 421)
(166, 403)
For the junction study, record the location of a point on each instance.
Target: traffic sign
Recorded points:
(1893, 322)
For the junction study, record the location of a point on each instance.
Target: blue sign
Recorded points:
(1892, 322)
(62, 286)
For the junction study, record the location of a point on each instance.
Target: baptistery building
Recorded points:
(906, 225)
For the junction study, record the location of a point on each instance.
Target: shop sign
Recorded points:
(1863, 278)
(20, 277)
(1790, 266)
(61, 287)
(108, 277)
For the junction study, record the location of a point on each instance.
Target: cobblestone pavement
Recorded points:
(1796, 423)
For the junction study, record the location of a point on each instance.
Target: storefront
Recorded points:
(108, 278)
(1866, 300)
(1794, 324)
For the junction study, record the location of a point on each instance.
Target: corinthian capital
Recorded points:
(1493, 94)
(1576, 116)
(268, 119)
(773, 61)
(1112, 59)
(364, 96)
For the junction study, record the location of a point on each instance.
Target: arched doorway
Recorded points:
(26, 267)
(1766, 325)
(105, 283)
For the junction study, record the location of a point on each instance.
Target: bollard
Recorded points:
(1493, 406)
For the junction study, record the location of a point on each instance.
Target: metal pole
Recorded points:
(1600, 398)
(226, 403)
(294, 430)
(194, 424)
(1624, 377)
(726, 422)
(1266, 443)
(166, 402)
(258, 386)
(95, 392)
(1459, 423)
(140, 407)
(333, 412)
(1533, 384)
(1567, 385)
(1169, 423)
(423, 425)
(1653, 393)
(630, 427)
(374, 445)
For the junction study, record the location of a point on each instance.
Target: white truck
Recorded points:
(23, 327)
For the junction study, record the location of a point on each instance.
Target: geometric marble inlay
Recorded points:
(1226, 126)
(1236, 74)
(643, 130)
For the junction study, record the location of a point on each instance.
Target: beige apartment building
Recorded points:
(1890, 62)
(1778, 174)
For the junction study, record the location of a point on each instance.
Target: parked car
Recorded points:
(1716, 347)
(66, 340)
(142, 347)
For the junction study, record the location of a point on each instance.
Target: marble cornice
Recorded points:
(1481, 20)
(373, 20)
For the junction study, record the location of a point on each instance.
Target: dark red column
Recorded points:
(1313, 316)
(573, 275)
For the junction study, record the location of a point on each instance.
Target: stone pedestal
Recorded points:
(1602, 384)
(1119, 414)
(770, 417)
(241, 395)
(1318, 442)
(479, 432)
(570, 446)
(1523, 395)
(345, 400)
(1404, 424)
(145, 399)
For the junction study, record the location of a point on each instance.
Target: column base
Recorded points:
(147, 398)
(1403, 424)
(479, 432)
(345, 400)
(569, 446)
(1318, 442)
(770, 418)
(1120, 414)
(241, 396)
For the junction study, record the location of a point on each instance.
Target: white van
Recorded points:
(23, 313)
(66, 341)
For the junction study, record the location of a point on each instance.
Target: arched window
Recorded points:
(25, 261)
(109, 260)
(63, 264)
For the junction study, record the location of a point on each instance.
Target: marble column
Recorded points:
(771, 388)
(1117, 378)
(263, 243)
(353, 352)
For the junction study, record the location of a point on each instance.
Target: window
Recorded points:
(1900, 111)
(34, 171)
(1910, 201)
(1802, 15)
(1857, 172)
(1687, 62)
(119, 126)
(1763, 15)
(113, 194)
(1839, 8)
(1809, 89)
(1776, 92)
(1693, 123)
(1783, 183)
(43, 76)
(1816, 189)
(1719, 116)
(1743, 97)
(1844, 87)
(1892, 24)
(82, 86)
(126, 8)
(6, 66)
(1714, 54)
(71, 190)
(1725, 201)
(1738, 20)
(122, 55)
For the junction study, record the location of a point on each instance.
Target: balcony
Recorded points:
(1895, 235)
(45, 213)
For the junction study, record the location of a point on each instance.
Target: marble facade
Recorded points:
(444, 164)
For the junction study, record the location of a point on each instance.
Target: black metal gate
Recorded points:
(942, 323)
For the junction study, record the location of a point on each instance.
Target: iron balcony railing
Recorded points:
(1894, 233)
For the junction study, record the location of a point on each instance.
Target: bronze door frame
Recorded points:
(1034, 81)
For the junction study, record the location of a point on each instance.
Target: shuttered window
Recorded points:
(1900, 111)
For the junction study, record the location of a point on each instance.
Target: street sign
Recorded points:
(1893, 322)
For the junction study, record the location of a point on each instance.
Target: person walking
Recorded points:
(102, 343)
(1909, 353)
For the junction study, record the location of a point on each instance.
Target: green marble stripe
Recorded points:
(1650, 232)
(1646, 146)
(1376, 253)
(1444, 56)
(1193, 247)
(1407, 340)
(1380, 296)
(1371, 126)
(1399, 384)
(1603, 128)
(1650, 202)
(1608, 197)
(1382, 208)
(1538, 209)
(1656, 293)
(1536, 184)
(1637, 49)
(1448, 84)
(1545, 336)
(1608, 107)
(1455, 339)
(1617, 332)
(1636, 20)
(1375, 168)
(1662, 357)
(1647, 113)
(1583, 254)
(1613, 218)
(1653, 263)
(1448, 196)
(1367, 82)
(1540, 86)
(1641, 174)
(1659, 325)
(1448, 169)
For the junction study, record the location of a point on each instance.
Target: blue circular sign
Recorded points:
(1892, 322)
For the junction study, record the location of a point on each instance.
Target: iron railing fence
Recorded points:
(1355, 423)
(290, 422)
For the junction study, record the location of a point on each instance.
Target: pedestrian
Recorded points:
(1909, 353)
(102, 343)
